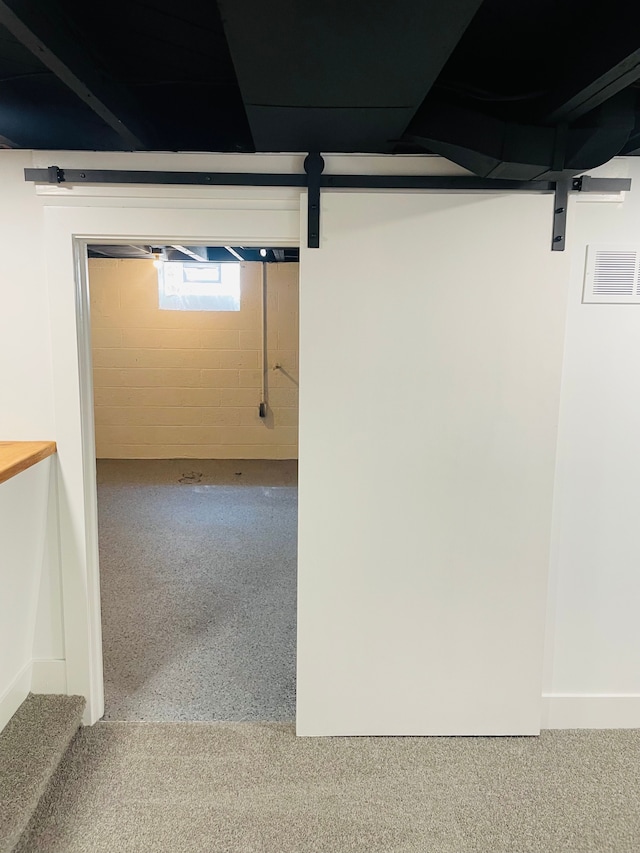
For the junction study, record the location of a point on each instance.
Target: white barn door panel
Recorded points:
(431, 334)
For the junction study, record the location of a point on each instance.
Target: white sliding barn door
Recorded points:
(431, 347)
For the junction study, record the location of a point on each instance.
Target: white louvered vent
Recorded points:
(612, 274)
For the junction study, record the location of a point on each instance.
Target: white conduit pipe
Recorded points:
(262, 409)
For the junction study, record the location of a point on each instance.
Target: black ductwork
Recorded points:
(342, 76)
(494, 148)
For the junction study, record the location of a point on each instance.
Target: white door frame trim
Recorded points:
(68, 231)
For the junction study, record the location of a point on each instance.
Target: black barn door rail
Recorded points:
(315, 180)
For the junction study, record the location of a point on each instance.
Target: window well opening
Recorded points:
(198, 287)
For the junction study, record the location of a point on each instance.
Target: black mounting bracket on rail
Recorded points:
(560, 204)
(314, 180)
(313, 166)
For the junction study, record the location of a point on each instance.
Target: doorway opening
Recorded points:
(195, 392)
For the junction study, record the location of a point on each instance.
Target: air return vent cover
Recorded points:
(612, 274)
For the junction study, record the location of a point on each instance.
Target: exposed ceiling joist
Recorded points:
(196, 253)
(609, 66)
(39, 28)
(234, 253)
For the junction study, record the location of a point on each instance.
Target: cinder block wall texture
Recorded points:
(186, 384)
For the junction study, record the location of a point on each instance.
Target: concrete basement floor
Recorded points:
(198, 584)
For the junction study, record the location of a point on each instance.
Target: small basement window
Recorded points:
(198, 287)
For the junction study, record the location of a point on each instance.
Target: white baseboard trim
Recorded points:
(559, 710)
(591, 711)
(15, 694)
(49, 676)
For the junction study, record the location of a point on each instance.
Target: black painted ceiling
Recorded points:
(196, 254)
(508, 89)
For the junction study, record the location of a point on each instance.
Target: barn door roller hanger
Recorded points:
(314, 180)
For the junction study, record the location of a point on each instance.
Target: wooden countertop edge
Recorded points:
(17, 456)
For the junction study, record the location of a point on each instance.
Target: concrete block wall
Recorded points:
(186, 384)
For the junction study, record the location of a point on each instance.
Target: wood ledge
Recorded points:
(17, 456)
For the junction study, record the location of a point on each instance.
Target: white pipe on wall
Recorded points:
(263, 328)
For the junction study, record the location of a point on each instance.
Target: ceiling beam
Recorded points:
(196, 253)
(604, 66)
(234, 253)
(40, 29)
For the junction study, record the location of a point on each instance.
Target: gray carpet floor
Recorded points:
(198, 585)
(32, 745)
(255, 788)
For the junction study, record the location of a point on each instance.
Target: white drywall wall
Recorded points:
(592, 667)
(431, 331)
(48, 640)
(26, 402)
(25, 539)
(30, 597)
